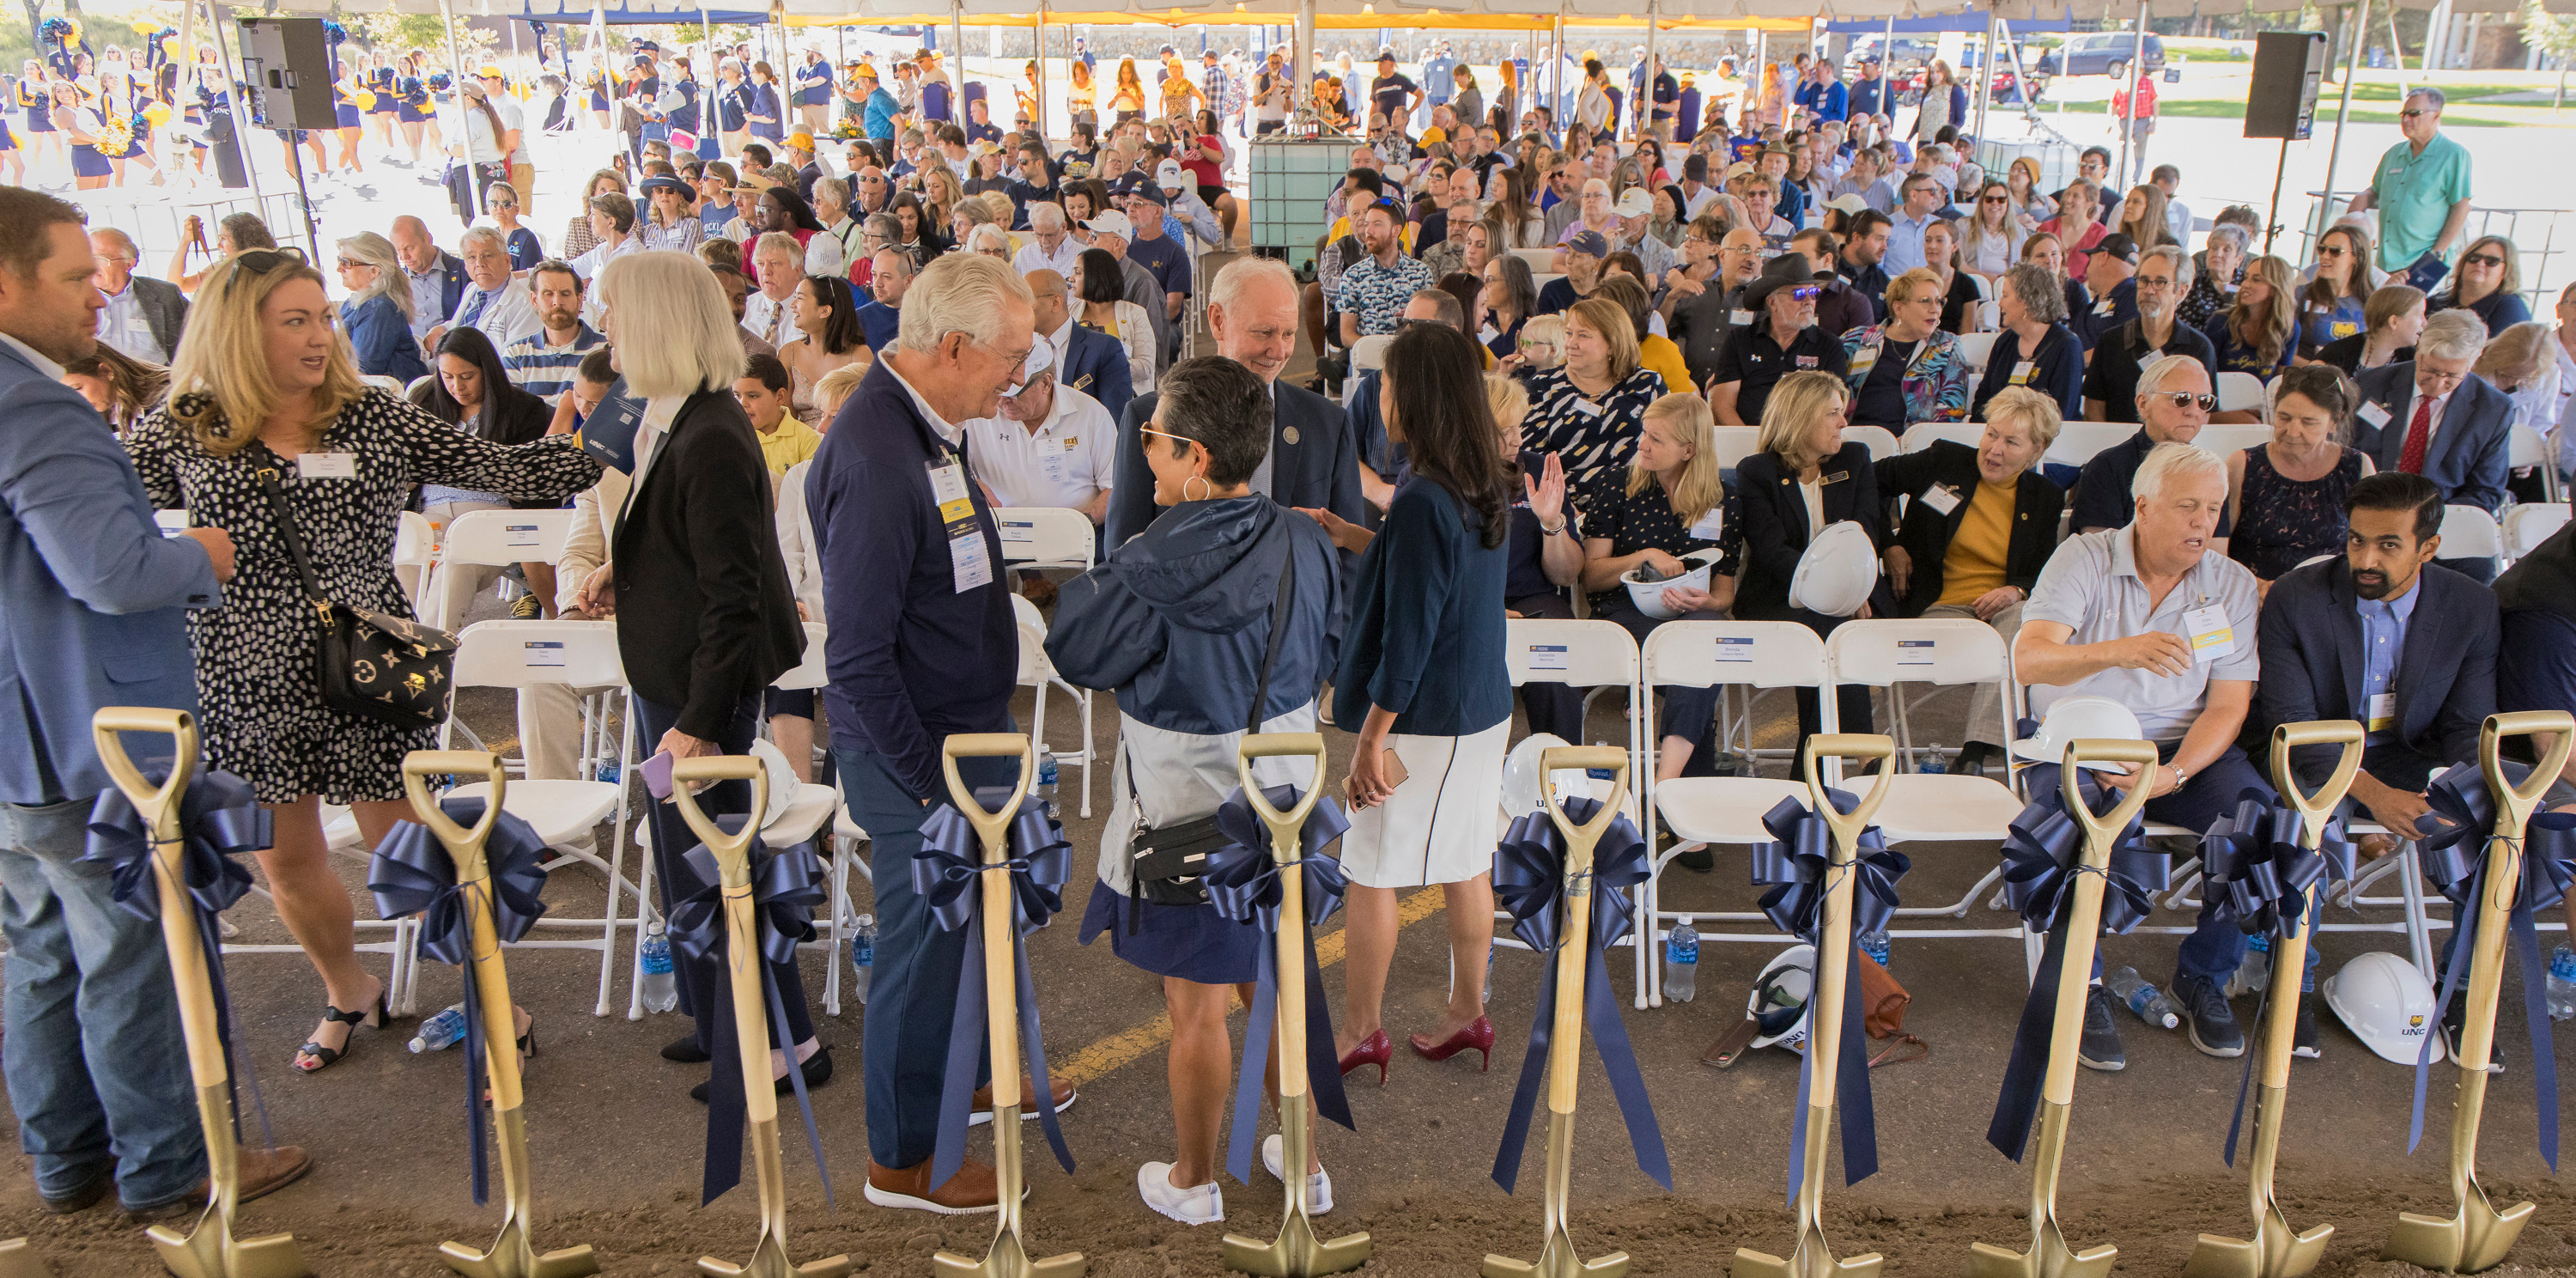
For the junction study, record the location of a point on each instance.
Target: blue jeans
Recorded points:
(912, 991)
(2427, 271)
(2214, 948)
(97, 1067)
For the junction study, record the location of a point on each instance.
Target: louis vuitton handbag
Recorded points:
(383, 667)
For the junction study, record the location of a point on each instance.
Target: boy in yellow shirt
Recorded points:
(784, 441)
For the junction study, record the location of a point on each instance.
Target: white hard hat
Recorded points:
(2075, 719)
(1836, 573)
(782, 779)
(1521, 777)
(2386, 1004)
(1780, 997)
(1649, 595)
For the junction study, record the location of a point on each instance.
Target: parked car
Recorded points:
(1909, 86)
(1902, 53)
(2100, 53)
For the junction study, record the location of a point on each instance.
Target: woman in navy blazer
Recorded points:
(1803, 450)
(377, 315)
(1422, 679)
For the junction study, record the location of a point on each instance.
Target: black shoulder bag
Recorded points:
(1165, 864)
(382, 667)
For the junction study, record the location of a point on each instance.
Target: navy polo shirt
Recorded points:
(1756, 362)
(1165, 259)
(2101, 498)
(2113, 376)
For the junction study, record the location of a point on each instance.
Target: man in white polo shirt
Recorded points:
(1048, 445)
(2146, 616)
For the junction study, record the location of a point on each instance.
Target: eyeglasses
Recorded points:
(1178, 439)
(2482, 259)
(2331, 250)
(1806, 293)
(2184, 399)
(2413, 112)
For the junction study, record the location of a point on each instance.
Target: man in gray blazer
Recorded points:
(92, 600)
(1313, 459)
(142, 316)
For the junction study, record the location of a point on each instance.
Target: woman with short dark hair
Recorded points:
(2285, 498)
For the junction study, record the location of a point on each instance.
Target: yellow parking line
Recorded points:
(1126, 1046)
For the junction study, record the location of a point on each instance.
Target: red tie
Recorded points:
(2419, 433)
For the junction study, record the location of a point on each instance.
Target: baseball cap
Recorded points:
(1169, 176)
(1869, 59)
(1636, 203)
(1589, 244)
(1041, 361)
(1695, 169)
(1847, 202)
(1112, 222)
(801, 141)
(1149, 191)
(1737, 170)
(2119, 246)
(487, 72)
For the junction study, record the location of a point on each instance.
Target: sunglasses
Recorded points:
(1993, 199)
(1806, 293)
(2482, 259)
(262, 261)
(2331, 250)
(2413, 112)
(2183, 399)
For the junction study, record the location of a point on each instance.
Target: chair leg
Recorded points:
(635, 969)
(2419, 930)
(1087, 753)
(832, 965)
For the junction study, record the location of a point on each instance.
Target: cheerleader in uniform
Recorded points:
(35, 98)
(380, 112)
(599, 97)
(122, 100)
(411, 103)
(352, 118)
(81, 124)
(11, 162)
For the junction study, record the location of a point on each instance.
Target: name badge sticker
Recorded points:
(1735, 648)
(1741, 319)
(542, 652)
(518, 535)
(1806, 361)
(1941, 499)
(1711, 526)
(973, 568)
(326, 465)
(1587, 408)
(2023, 371)
(1916, 652)
(2212, 638)
(2383, 711)
(2374, 414)
(1019, 532)
(1547, 656)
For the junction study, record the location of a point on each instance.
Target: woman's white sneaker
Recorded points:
(1319, 1187)
(1201, 1206)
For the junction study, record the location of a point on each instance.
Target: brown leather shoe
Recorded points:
(1038, 590)
(983, 1111)
(2375, 846)
(970, 1191)
(263, 1172)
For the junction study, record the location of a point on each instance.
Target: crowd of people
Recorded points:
(847, 353)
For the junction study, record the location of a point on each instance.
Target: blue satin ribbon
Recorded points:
(2455, 862)
(413, 873)
(1529, 882)
(220, 818)
(2040, 855)
(1797, 862)
(948, 872)
(2259, 878)
(786, 885)
(1247, 885)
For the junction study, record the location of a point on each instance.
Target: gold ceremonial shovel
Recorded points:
(2050, 1255)
(1009, 1257)
(1557, 1257)
(2278, 1249)
(208, 1250)
(19, 1260)
(2477, 1236)
(1298, 1252)
(1812, 1258)
(750, 1019)
(512, 1254)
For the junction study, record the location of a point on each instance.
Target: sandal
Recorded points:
(324, 1057)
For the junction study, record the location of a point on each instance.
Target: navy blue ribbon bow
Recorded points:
(2259, 878)
(1529, 882)
(2040, 855)
(1246, 885)
(2455, 862)
(412, 873)
(786, 885)
(948, 873)
(220, 818)
(1798, 863)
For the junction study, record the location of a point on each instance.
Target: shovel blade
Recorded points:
(1811, 1260)
(210, 1251)
(19, 1260)
(2047, 1258)
(1558, 1260)
(2475, 1239)
(1297, 1253)
(2296, 1255)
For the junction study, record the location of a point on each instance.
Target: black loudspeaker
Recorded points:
(2288, 65)
(288, 66)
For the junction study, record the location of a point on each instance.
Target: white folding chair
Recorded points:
(808, 810)
(1047, 537)
(1591, 655)
(565, 814)
(1991, 316)
(1880, 441)
(1920, 435)
(1037, 674)
(2227, 439)
(2241, 393)
(490, 539)
(1976, 348)
(1367, 354)
(1732, 444)
(1722, 810)
(2469, 532)
(2528, 525)
(415, 552)
(2077, 441)
(2528, 447)
(1541, 260)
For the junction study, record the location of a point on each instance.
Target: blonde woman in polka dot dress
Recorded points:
(262, 384)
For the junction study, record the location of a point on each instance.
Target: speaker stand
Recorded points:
(304, 200)
(2271, 224)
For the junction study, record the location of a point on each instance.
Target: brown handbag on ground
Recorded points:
(1882, 1007)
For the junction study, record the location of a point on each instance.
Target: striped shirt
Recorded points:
(547, 371)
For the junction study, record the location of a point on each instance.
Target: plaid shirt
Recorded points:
(1225, 91)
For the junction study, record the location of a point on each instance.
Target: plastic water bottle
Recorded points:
(1488, 999)
(2562, 983)
(608, 771)
(1681, 962)
(661, 989)
(1930, 763)
(1873, 944)
(440, 1032)
(1046, 782)
(863, 955)
(2143, 998)
(2254, 974)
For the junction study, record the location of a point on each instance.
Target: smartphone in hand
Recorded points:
(1390, 764)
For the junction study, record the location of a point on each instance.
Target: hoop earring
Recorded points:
(1185, 488)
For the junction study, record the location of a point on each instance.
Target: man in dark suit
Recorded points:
(95, 600)
(922, 645)
(2435, 418)
(1087, 359)
(429, 268)
(1313, 460)
(143, 316)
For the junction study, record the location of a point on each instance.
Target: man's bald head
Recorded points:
(413, 244)
(1047, 293)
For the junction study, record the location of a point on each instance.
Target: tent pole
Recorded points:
(2343, 110)
(2129, 113)
(455, 60)
(2397, 53)
(1039, 46)
(1560, 100)
(1301, 60)
(1985, 81)
(957, 38)
(1644, 112)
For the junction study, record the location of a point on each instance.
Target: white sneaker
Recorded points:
(1319, 1187)
(1200, 1206)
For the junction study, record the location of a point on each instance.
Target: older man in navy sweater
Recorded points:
(922, 645)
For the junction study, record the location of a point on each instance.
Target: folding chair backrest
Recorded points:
(1976, 348)
(2526, 447)
(1879, 653)
(1539, 259)
(1733, 444)
(2230, 439)
(2469, 532)
(1880, 441)
(415, 540)
(1761, 654)
(170, 521)
(1052, 535)
(1920, 435)
(809, 672)
(525, 654)
(2241, 393)
(1581, 654)
(499, 537)
(1034, 666)
(2078, 441)
(1370, 352)
(2528, 525)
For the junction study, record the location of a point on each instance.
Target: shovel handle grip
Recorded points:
(987, 745)
(420, 765)
(720, 767)
(2084, 750)
(2521, 723)
(1584, 758)
(2314, 808)
(1848, 745)
(159, 805)
(1275, 745)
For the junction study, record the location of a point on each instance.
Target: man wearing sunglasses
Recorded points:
(2421, 189)
(2173, 402)
(1783, 340)
(2111, 371)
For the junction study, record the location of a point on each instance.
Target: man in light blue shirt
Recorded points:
(1906, 226)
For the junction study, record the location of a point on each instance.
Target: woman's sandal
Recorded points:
(323, 1058)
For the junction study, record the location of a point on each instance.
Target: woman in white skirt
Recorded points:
(1422, 681)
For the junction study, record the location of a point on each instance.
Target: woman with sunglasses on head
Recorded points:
(121, 387)
(1990, 239)
(2285, 499)
(2488, 284)
(2260, 333)
(268, 413)
(378, 312)
(2331, 306)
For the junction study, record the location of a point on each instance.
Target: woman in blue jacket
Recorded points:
(377, 315)
(1422, 681)
(1178, 622)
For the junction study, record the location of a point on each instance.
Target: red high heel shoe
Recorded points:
(1479, 1034)
(1377, 1049)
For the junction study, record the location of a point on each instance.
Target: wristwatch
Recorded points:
(2180, 775)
